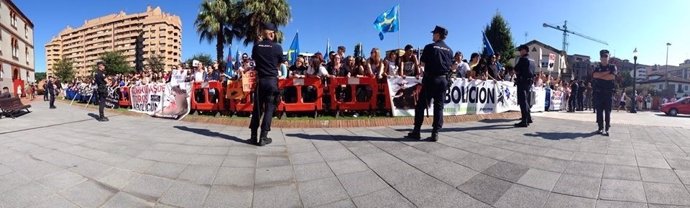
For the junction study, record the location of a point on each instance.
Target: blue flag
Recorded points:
(388, 21)
(488, 50)
(328, 49)
(229, 67)
(293, 52)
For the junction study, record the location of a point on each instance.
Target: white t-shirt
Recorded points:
(199, 76)
(463, 68)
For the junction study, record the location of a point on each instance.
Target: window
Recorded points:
(15, 48)
(26, 54)
(26, 31)
(13, 19)
(686, 88)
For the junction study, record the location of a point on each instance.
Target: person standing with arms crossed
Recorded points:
(437, 58)
(525, 74)
(603, 84)
(268, 55)
(101, 90)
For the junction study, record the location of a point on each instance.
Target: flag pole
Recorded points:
(398, 25)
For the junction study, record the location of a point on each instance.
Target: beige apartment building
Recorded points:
(162, 34)
(16, 48)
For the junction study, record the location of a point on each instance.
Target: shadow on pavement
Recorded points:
(350, 138)
(560, 135)
(208, 133)
(472, 128)
(93, 115)
(492, 121)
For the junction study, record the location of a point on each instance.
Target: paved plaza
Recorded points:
(64, 158)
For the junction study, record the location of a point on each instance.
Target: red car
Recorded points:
(681, 106)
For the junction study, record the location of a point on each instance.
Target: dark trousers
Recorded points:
(602, 104)
(572, 102)
(432, 88)
(45, 95)
(523, 97)
(265, 97)
(101, 104)
(580, 102)
(51, 97)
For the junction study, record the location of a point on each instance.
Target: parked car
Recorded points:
(682, 106)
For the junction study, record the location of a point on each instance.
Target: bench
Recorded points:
(10, 106)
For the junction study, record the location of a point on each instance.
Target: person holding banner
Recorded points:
(437, 58)
(268, 55)
(603, 84)
(525, 73)
(102, 90)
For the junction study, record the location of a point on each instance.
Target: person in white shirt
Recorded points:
(459, 67)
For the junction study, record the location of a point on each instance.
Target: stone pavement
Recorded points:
(64, 158)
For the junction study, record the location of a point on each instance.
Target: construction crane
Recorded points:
(565, 35)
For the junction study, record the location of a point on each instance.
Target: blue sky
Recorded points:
(625, 25)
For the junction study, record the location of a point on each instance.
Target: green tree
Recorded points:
(218, 20)
(498, 34)
(626, 80)
(40, 76)
(201, 57)
(115, 63)
(64, 69)
(259, 11)
(156, 63)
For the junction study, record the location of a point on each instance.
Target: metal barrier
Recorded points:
(353, 94)
(203, 98)
(303, 100)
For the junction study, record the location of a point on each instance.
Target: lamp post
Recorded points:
(666, 67)
(634, 100)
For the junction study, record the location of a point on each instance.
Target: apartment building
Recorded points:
(84, 45)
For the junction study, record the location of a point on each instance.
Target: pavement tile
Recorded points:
(165, 169)
(122, 199)
(522, 197)
(672, 194)
(312, 171)
(622, 172)
(560, 201)
(622, 190)
(274, 175)
(88, 194)
(148, 187)
(383, 198)
(361, 183)
(25, 195)
(62, 180)
(321, 191)
(278, 196)
(659, 175)
(347, 166)
(229, 196)
(242, 177)
(585, 169)
(184, 194)
(507, 171)
(578, 186)
(305, 158)
(619, 204)
(544, 180)
(485, 188)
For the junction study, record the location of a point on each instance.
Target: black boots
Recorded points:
(433, 137)
(103, 119)
(414, 134)
(262, 140)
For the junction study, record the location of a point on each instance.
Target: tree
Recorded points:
(219, 21)
(626, 80)
(156, 63)
(64, 69)
(259, 11)
(201, 57)
(498, 34)
(115, 63)
(40, 76)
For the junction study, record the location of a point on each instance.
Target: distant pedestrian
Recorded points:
(50, 90)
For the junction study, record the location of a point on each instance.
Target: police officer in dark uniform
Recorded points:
(101, 90)
(437, 58)
(572, 99)
(268, 55)
(50, 90)
(603, 85)
(525, 74)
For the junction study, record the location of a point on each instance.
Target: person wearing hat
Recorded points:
(524, 70)
(437, 59)
(603, 86)
(101, 90)
(267, 56)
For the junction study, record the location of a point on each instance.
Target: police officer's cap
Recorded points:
(523, 47)
(100, 63)
(603, 52)
(269, 26)
(440, 30)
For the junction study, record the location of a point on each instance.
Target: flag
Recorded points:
(237, 59)
(293, 52)
(229, 66)
(328, 49)
(488, 50)
(388, 21)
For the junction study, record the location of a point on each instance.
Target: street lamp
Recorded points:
(634, 100)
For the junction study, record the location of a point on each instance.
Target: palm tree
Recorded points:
(258, 11)
(216, 21)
